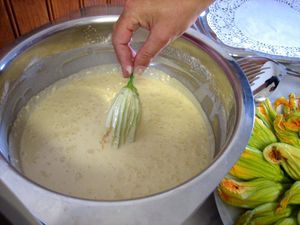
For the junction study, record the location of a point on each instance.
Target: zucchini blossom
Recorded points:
(287, 221)
(287, 129)
(261, 135)
(266, 112)
(291, 196)
(252, 164)
(263, 215)
(249, 194)
(286, 155)
(287, 124)
(123, 116)
(288, 106)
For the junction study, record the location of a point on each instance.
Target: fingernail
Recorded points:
(129, 69)
(139, 70)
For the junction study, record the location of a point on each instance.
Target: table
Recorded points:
(207, 214)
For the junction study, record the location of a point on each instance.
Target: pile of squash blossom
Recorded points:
(266, 178)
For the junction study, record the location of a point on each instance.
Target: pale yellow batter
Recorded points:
(58, 134)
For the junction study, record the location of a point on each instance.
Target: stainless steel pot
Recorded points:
(60, 50)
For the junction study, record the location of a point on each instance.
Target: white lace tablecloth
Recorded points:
(268, 26)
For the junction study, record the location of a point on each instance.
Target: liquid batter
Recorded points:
(58, 136)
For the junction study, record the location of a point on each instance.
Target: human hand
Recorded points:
(165, 19)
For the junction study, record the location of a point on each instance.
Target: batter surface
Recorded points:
(58, 136)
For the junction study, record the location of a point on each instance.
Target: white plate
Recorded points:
(269, 27)
(228, 213)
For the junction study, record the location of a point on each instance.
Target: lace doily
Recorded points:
(268, 26)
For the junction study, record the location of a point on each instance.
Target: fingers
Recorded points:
(154, 43)
(121, 37)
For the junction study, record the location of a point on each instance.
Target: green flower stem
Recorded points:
(130, 84)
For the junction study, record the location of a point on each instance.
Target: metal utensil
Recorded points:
(193, 59)
(264, 75)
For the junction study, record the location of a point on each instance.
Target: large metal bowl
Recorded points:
(60, 50)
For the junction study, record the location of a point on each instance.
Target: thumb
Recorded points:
(121, 37)
(155, 42)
